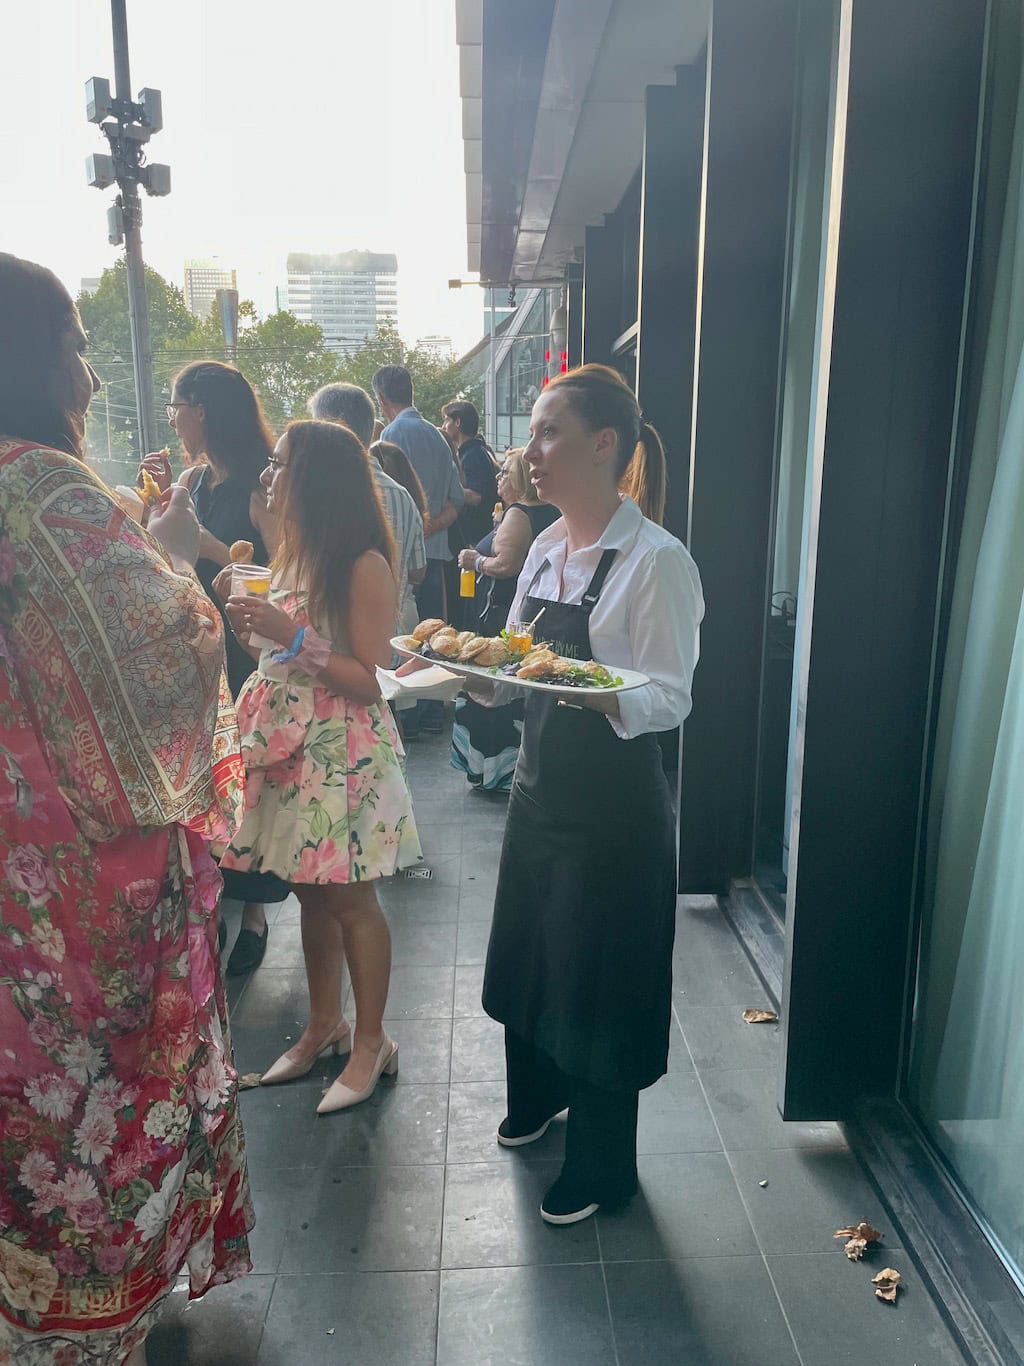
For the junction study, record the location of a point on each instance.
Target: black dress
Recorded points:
(223, 509)
(580, 954)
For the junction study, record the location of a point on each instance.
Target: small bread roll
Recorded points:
(428, 628)
(241, 552)
(469, 651)
(445, 643)
(466, 636)
(495, 652)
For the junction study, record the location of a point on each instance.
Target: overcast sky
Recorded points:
(289, 125)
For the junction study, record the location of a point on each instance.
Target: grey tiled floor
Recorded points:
(400, 1233)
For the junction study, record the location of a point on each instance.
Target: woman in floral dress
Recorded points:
(327, 807)
(121, 1159)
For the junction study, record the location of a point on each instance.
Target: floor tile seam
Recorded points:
(511, 1266)
(735, 1180)
(607, 1293)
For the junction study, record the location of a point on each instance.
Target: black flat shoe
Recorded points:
(569, 1202)
(248, 952)
(509, 1137)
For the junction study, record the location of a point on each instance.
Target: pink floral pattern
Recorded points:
(121, 1156)
(326, 798)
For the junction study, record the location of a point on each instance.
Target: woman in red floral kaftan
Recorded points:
(121, 1158)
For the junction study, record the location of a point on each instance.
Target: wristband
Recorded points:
(480, 562)
(280, 656)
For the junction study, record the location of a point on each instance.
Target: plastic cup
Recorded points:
(250, 580)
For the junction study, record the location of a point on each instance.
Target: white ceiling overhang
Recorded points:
(587, 139)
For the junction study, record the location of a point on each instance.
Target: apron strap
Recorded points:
(593, 592)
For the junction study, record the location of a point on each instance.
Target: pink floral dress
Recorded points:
(326, 799)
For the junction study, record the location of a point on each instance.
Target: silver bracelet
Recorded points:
(480, 562)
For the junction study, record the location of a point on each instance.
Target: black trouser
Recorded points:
(430, 595)
(600, 1137)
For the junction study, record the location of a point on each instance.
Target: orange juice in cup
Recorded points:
(250, 579)
(519, 636)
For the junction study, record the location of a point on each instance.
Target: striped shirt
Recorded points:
(407, 526)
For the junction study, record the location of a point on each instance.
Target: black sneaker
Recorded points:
(569, 1202)
(509, 1138)
(248, 952)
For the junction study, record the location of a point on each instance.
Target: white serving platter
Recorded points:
(630, 677)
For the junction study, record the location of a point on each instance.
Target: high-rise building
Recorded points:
(89, 284)
(441, 347)
(202, 280)
(348, 294)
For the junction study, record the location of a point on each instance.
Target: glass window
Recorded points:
(967, 1066)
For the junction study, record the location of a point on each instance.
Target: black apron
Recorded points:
(580, 956)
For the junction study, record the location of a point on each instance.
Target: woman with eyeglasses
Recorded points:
(217, 418)
(485, 740)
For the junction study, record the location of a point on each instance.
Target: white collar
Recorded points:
(620, 533)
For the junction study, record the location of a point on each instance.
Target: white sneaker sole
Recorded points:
(527, 1138)
(573, 1218)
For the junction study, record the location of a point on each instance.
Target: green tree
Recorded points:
(112, 434)
(285, 360)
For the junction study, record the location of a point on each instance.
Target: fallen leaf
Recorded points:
(762, 1184)
(752, 1016)
(886, 1284)
(859, 1235)
(248, 1080)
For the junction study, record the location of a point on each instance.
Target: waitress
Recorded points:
(579, 962)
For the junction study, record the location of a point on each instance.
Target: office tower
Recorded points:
(348, 294)
(202, 280)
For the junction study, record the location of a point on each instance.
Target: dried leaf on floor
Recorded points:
(248, 1080)
(886, 1284)
(860, 1235)
(753, 1016)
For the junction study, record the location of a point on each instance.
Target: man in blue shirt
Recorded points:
(431, 458)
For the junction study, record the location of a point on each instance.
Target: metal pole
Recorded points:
(491, 394)
(138, 315)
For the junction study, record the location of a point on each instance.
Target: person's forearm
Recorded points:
(212, 549)
(473, 499)
(348, 678)
(443, 520)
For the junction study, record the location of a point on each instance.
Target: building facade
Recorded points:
(813, 280)
(348, 295)
(512, 362)
(202, 280)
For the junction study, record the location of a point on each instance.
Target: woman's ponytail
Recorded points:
(646, 475)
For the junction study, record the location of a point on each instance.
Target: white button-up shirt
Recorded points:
(647, 617)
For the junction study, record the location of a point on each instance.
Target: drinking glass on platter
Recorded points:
(519, 635)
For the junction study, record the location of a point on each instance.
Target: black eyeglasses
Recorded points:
(171, 408)
(274, 464)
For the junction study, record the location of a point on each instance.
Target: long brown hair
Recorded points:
(397, 466)
(601, 398)
(238, 439)
(331, 513)
(36, 311)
